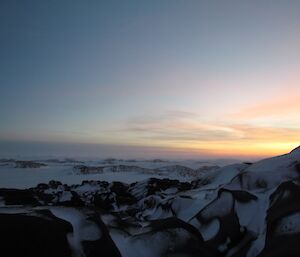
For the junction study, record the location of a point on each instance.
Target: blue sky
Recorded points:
(216, 78)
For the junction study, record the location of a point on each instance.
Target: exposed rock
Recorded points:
(19, 197)
(54, 232)
(208, 168)
(29, 164)
(34, 235)
(86, 169)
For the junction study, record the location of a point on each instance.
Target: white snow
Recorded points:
(82, 228)
(148, 244)
(65, 196)
(257, 223)
(219, 207)
(11, 177)
(210, 230)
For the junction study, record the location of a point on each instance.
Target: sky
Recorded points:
(150, 78)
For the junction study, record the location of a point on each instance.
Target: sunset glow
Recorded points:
(177, 76)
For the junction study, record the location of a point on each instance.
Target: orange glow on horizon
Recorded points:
(227, 149)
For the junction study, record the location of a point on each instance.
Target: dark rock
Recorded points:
(39, 233)
(75, 201)
(283, 203)
(103, 247)
(297, 166)
(207, 168)
(42, 186)
(32, 236)
(19, 197)
(103, 201)
(287, 246)
(54, 184)
(156, 185)
(29, 164)
(88, 169)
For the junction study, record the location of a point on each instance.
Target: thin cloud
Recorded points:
(192, 133)
(286, 105)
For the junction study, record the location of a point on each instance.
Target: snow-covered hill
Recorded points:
(240, 210)
(24, 174)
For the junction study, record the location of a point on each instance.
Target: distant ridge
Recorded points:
(296, 150)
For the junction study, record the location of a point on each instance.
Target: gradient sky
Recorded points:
(199, 78)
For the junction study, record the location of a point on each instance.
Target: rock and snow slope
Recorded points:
(241, 210)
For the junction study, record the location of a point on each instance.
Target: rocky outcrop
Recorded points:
(83, 169)
(29, 164)
(54, 232)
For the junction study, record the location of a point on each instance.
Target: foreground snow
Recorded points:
(240, 210)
